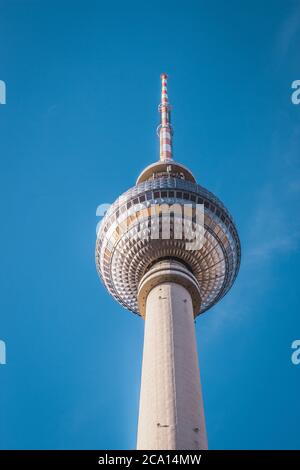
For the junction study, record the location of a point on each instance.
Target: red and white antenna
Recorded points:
(165, 129)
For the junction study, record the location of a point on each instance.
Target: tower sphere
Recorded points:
(130, 240)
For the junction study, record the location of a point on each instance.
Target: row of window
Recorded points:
(173, 197)
(162, 183)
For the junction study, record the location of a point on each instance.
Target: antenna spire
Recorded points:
(165, 131)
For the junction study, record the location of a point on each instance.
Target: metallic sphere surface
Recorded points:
(123, 256)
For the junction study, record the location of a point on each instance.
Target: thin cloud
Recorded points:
(287, 33)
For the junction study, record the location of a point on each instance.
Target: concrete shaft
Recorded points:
(171, 412)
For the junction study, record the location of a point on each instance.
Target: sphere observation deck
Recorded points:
(126, 248)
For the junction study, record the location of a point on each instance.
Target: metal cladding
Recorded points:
(130, 241)
(165, 129)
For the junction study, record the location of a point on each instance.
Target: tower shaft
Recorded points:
(171, 412)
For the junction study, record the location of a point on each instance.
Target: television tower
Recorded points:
(157, 273)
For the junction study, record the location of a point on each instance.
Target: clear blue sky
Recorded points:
(79, 124)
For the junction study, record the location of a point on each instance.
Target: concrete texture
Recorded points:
(171, 414)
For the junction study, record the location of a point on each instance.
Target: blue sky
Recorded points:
(79, 124)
